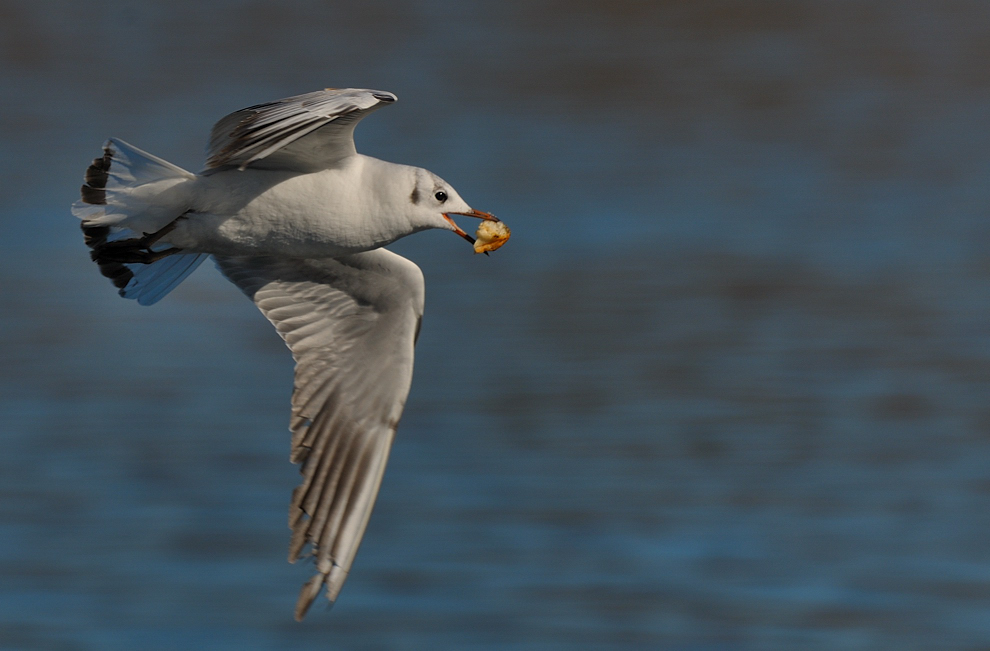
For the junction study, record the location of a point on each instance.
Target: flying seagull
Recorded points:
(297, 219)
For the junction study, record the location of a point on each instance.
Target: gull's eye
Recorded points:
(441, 196)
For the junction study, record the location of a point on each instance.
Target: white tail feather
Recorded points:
(136, 190)
(129, 193)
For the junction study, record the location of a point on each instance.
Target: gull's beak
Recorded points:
(474, 213)
(458, 229)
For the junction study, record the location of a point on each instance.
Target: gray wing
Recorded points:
(351, 324)
(304, 133)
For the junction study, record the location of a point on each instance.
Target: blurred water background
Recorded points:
(726, 388)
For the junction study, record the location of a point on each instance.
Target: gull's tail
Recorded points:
(129, 194)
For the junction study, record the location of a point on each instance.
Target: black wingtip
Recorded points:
(96, 239)
(94, 190)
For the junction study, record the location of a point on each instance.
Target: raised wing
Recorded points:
(304, 133)
(351, 324)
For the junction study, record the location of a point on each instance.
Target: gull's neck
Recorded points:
(393, 207)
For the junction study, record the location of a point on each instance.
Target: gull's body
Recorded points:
(296, 218)
(247, 212)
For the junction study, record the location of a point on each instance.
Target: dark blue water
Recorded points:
(726, 388)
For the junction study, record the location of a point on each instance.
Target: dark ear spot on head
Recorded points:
(414, 197)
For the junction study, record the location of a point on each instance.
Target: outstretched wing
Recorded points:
(304, 133)
(351, 324)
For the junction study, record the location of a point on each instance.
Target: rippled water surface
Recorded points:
(726, 388)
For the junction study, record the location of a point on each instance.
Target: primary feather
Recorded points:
(350, 323)
(271, 135)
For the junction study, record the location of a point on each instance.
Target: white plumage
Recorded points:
(296, 218)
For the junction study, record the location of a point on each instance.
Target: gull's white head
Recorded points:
(433, 201)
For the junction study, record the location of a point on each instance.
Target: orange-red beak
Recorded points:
(474, 213)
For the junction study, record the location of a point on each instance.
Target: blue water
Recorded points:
(726, 388)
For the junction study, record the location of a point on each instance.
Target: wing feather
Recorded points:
(304, 133)
(350, 324)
